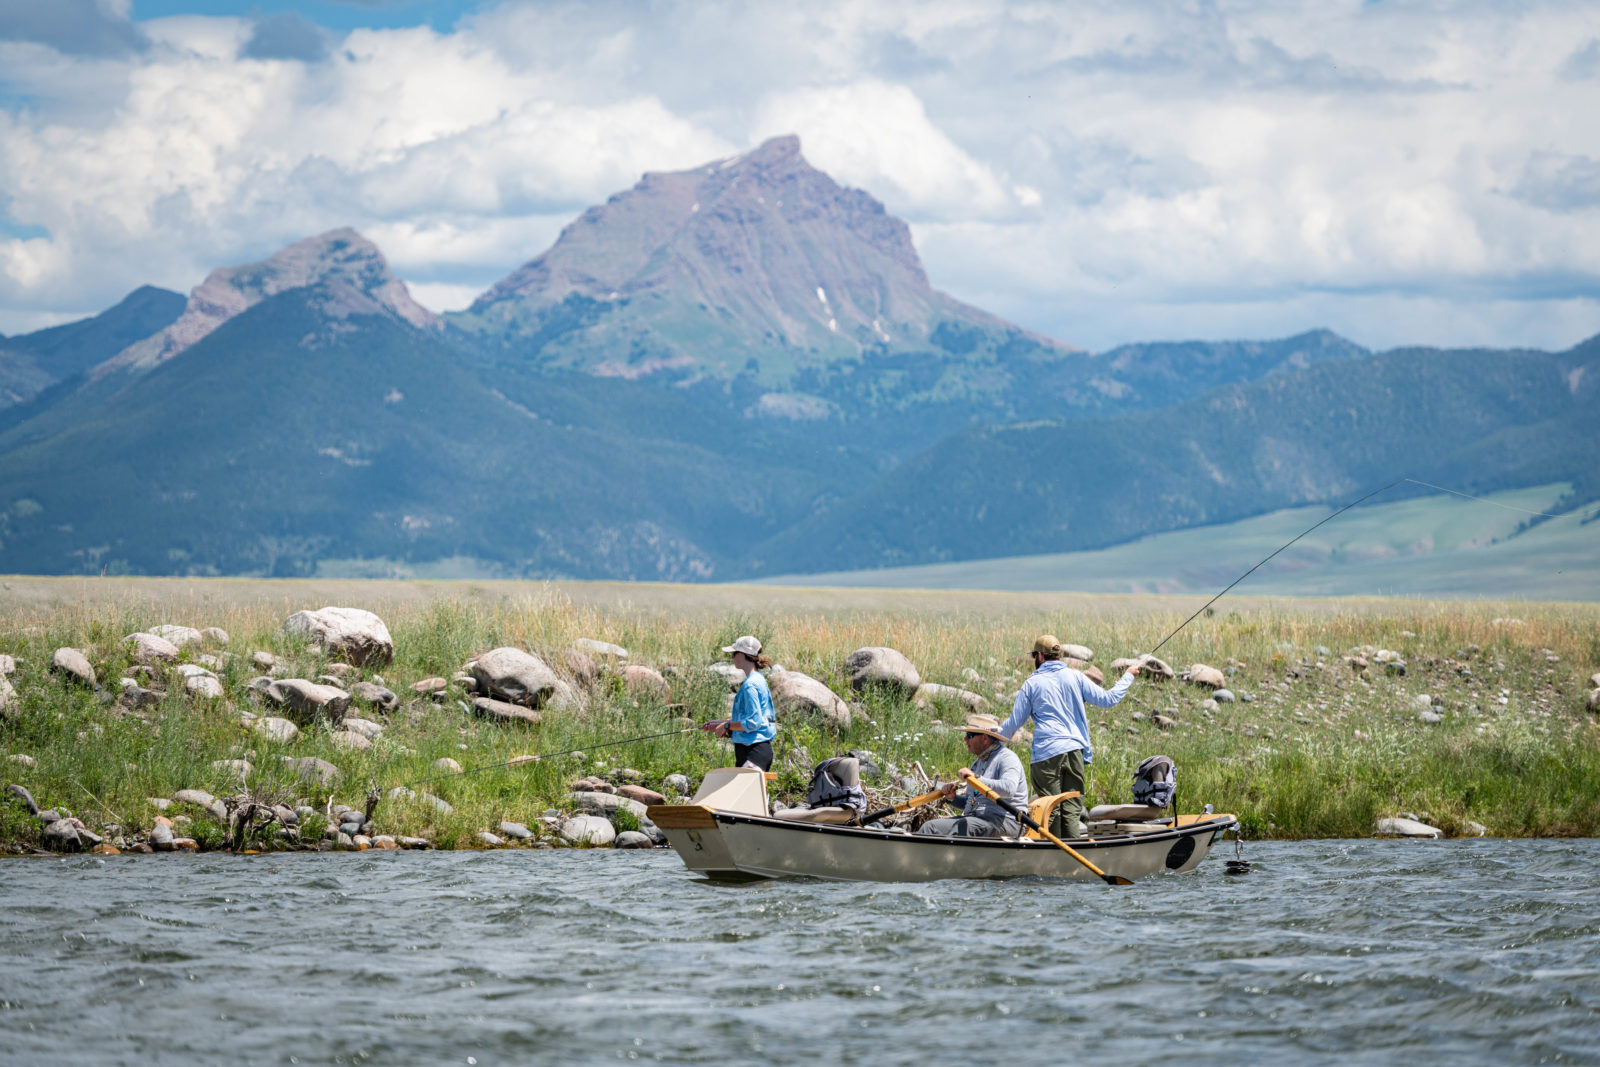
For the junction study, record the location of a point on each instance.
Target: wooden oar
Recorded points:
(904, 805)
(1028, 820)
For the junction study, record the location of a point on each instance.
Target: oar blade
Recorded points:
(1115, 879)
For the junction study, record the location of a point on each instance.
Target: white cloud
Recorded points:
(1101, 171)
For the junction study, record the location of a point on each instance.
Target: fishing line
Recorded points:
(1336, 514)
(518, 760)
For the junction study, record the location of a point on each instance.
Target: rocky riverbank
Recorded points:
(468, 727)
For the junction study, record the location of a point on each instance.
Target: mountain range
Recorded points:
(735, 370)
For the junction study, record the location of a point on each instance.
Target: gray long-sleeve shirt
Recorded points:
(1000, 770)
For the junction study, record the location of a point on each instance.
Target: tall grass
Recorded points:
(1318, 752)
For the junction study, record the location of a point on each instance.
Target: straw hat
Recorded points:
(984, 724)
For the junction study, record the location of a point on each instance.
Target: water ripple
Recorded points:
(1329, 952)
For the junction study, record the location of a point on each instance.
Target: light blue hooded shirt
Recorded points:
(754, 720)
(1054, 697)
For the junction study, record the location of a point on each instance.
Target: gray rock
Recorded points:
(446, 765)
(312, 769)
(1157, 670)
(1475, 829)
(678, 783)
(794, 693)
(263, 660)
(1224, 696)
(1210, 677)
(365, 727)
(652, 831)
(503, 712)
(601, 648)
(878, 666)
(349, 741)
(516, 830)
(633, 839)
(1594, 700)
(488, 840)
(22, 794)
(148, 648)
(182, 636)
(607, 803)
(588, 830)
(354, 634)
(9, 704)
(370, 693)
(514, 676)
(214, 636)
(237, 768)
(161, 838)
(931, 694)
(430, 686)
(732, 676)
(350, 829)
(441, 806)
(8, 665)
(198, 797)
(345, 842)
(62, 836)
(1079, 652)
(73, 665)
(205, 686)
(1210, 704)
(1407, 828)
(414, 842)
(276, 730)
(306, 700)
(1430, 716)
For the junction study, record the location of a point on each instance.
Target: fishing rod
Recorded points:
(1336, 514)
(519, 760)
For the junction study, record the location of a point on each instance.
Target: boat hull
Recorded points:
(723, 844)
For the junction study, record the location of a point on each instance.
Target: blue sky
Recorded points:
(1101, 172)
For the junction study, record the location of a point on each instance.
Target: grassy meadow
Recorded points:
(1319, 751)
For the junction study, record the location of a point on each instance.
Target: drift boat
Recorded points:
(725, 832)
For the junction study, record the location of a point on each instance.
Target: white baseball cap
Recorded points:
(746, 644)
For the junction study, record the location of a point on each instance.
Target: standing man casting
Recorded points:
(1054, 697)
(753, 724)
(997, 767)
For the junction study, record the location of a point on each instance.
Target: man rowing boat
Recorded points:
(997, 767)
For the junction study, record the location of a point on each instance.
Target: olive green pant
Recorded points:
(1061, 774)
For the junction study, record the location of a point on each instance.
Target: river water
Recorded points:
(1340, 952)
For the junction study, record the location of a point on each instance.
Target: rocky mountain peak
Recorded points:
(760, 256)
(349, 270)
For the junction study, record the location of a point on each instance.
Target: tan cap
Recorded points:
(746, 644)
(984, 724)
(1047, 645)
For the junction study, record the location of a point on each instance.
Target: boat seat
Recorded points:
(1127, 813)
(1039, 808)
(835, 816)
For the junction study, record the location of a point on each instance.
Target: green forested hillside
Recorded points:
(1477, 420)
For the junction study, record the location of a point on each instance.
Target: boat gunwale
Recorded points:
(1082, 844)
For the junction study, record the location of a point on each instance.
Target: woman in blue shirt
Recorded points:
(753, 724)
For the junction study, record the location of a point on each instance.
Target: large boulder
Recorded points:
(360, 637)
(608, 804)
(1407, 828)
(180, 636)
(373, 693)
(514, 676)
(306, 700)
(1082, 652)
(794, 693)
(878, 666)
(1210, 677)
(148, 648)
(73, 666)
(588, 830)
